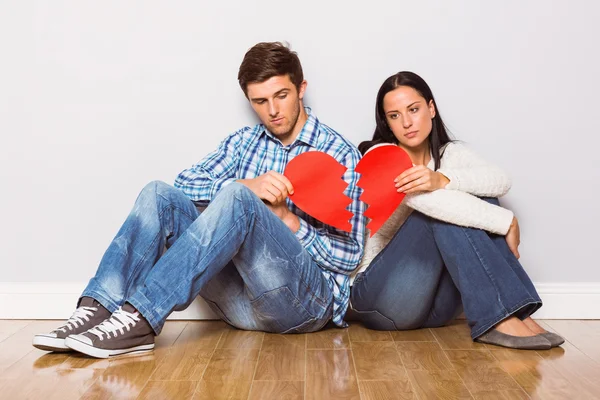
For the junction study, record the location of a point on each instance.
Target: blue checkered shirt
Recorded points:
(251, 152)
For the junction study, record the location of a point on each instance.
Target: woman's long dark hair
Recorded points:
(383, 134)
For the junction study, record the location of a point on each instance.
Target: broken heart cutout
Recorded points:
(319, 187)
(378, 168)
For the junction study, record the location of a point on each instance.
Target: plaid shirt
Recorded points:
(251, 152)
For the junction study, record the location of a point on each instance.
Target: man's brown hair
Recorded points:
(266, 60)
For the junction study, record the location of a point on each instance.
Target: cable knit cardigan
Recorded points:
(458, 203)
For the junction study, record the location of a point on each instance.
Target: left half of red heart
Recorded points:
(319, 188)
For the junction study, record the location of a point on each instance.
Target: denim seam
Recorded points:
(147, 313)
(500, 317)
(296, 303)
(189, 278)
(382, 252)
(151, 246)
(223, 238)
(175, 207)
(486, 269)
(220, 314)
(377, 312)
(323, 302)
(135, 268)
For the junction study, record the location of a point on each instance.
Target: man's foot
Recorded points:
(89, 313)
(126, 331)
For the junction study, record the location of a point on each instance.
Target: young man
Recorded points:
(258, 261)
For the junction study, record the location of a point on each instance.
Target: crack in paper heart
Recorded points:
(319, 186)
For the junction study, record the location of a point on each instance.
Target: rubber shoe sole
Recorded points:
(92, 351)
(50, 343)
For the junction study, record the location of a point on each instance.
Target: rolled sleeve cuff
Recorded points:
(453, 184)
(306, 234)
(502, 219)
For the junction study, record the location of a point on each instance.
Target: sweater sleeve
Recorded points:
(470, 173)
(463, 209)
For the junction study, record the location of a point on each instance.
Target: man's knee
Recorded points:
(156, 187)
(235, 189)
(234, 192)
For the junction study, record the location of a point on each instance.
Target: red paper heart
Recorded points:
(378, 169)
(319, 187)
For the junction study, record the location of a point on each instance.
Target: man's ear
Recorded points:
(302, 89)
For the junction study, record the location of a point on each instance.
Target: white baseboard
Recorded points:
(56, 300)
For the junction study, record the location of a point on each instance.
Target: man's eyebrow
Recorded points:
(277, 93)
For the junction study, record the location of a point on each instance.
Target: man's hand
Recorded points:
(272, 187)
(420, 179)
(513, 237)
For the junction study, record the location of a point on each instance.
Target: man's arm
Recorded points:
(203, 180)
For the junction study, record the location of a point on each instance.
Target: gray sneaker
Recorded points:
(89, 313)
(126, 331)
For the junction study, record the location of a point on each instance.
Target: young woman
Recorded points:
(458, 246)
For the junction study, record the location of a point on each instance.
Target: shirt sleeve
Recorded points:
(203, 180)
(331, 248)
(470, 173)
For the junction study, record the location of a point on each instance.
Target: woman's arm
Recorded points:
(463, 209)
(470, 173)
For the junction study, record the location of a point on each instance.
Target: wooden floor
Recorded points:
(209, 360)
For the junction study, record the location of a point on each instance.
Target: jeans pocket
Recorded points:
(375, 320)
(280, 311)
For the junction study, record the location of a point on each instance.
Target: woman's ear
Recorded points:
(431, 109)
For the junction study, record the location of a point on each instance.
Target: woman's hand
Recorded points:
(513, 237)
(420, 179)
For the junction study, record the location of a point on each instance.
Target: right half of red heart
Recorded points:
(378, 168)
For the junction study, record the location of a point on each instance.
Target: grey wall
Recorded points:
(98, 98)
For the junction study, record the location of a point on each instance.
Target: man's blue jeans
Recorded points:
(240, 257)
(419, 279)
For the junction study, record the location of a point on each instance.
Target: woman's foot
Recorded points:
(513, 326)
(535, 342)
(554, 339)
(517, 334)
(533, 326)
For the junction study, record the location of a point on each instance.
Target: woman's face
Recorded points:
(409, 116)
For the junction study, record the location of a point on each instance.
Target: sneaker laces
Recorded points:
(78, 317)
(117, 322)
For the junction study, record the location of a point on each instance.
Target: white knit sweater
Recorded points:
(470, 176)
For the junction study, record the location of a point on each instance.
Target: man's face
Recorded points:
(278, 104)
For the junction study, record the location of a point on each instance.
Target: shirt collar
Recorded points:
(309, 133)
